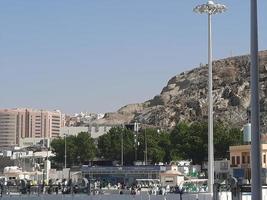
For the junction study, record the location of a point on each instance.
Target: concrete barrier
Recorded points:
(190, 196)
(205, 196)
(225, 196)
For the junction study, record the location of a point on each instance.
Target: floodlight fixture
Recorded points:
(210, 8)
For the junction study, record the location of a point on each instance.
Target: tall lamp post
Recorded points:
(145, 153)
(65, 149)
(210, 8)
(136, 143)
(122, 146)
(256, 186)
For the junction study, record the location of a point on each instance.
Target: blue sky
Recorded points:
(98, 55)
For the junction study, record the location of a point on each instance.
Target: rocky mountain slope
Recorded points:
(185, 96)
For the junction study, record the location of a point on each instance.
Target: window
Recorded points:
(169, 179)
(233, 160)
(248, 159)
(237, 160)
(243, 159)
(264, 158)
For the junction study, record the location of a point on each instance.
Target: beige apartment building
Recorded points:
(20, 123)
(240, 158)
(240, 155)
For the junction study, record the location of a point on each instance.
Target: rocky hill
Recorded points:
(185, 96)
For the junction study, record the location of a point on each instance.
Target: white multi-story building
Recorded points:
(73, 130)
(97, 130)
(94, 130)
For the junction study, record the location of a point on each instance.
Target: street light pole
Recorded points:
(210, 114)
(210, 8)
(136, 129)
(65, 156)
(145, 148)
(256, 185)
(122, 147)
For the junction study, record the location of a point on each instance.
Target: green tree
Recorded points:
(225, 137)
(178, 145)
(58, 148)
(72, 150)
(79, 148)
(190, 141)
(85, 147)
(109, 145)
(158, 144)
(165, 144)
(198, 142)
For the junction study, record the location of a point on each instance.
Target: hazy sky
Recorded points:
(98, 55)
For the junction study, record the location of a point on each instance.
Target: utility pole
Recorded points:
(145, 148)
(135, 140)
(256, 185)
(122, 147)
(65, 138)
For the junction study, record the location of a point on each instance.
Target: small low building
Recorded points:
(30, 142)
(16, 173)
(240, 159)
(171, 176)
(122, 174)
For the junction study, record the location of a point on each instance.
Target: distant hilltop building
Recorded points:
(84, 122)
(94, 130)
(89, 115)
(82, 119)
(19, 124)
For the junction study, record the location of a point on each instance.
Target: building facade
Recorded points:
(240, 159)
(122, 174)
(72, 130)
(20, 123)
(96, 130)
